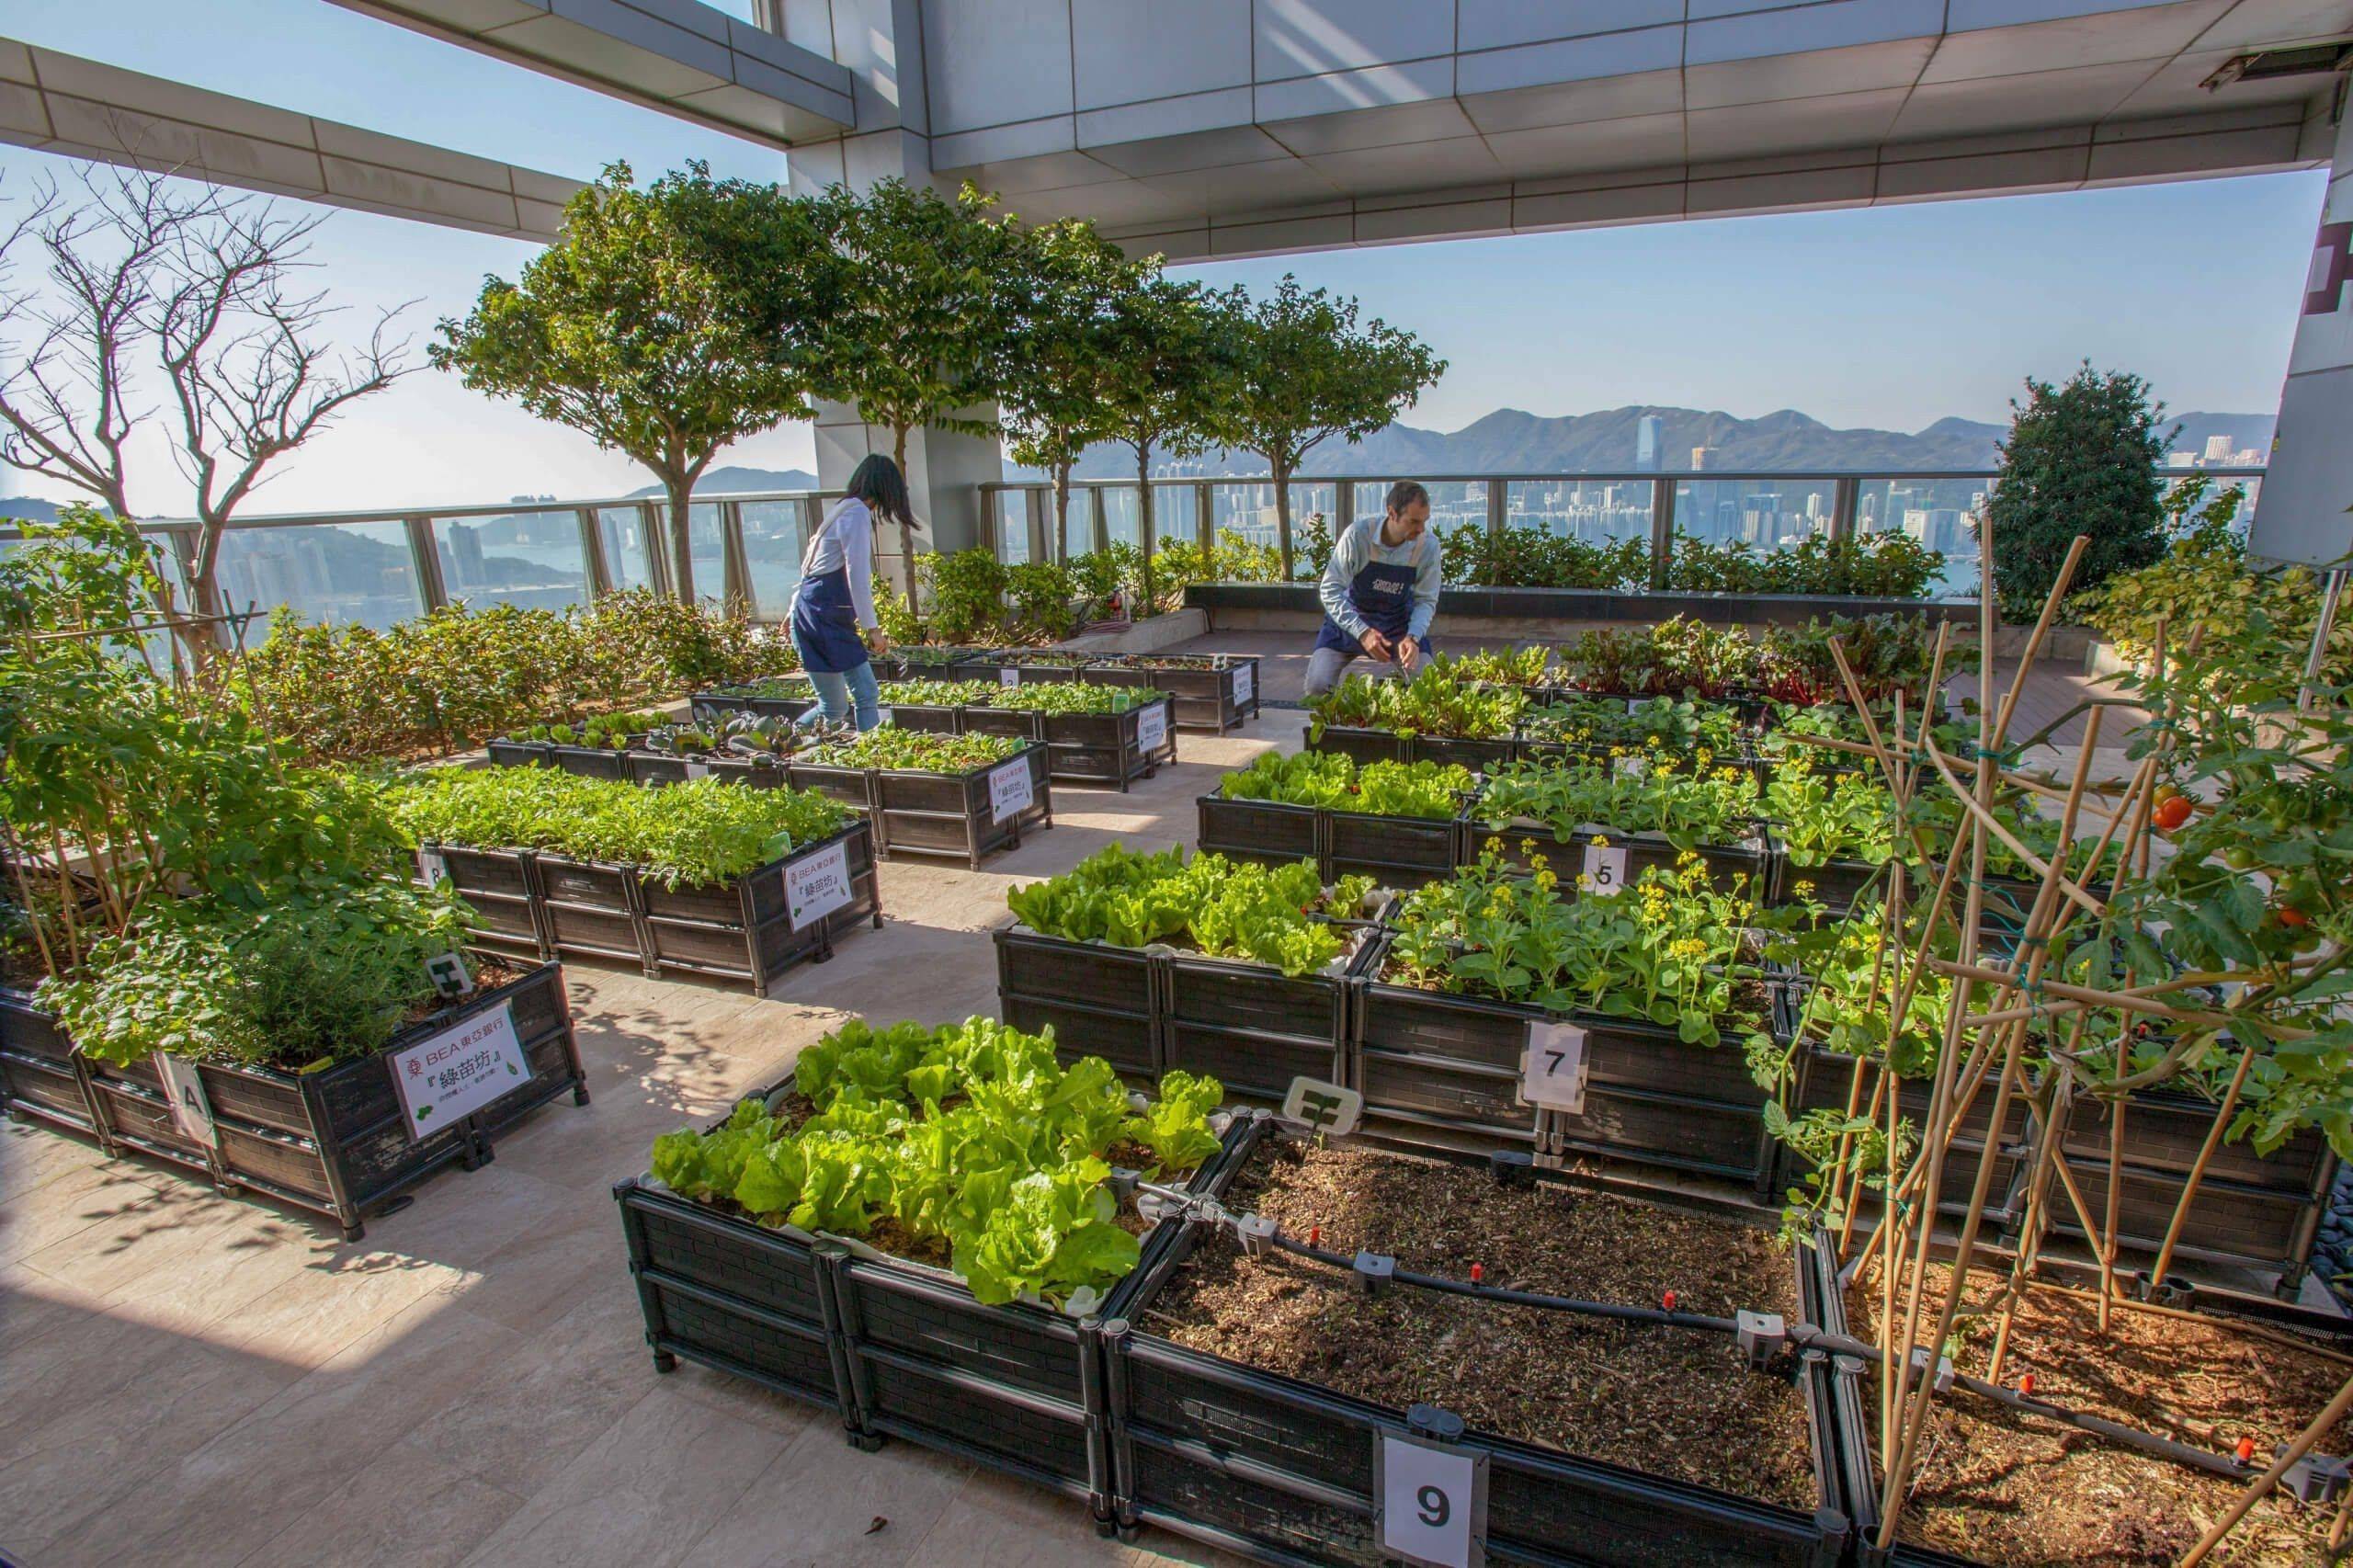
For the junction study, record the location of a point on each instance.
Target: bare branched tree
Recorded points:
(78, 282)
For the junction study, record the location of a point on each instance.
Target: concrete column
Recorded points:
(2299, 512)
(880, 41)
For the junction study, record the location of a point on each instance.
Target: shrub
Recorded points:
(1882, 565)
(1533, 558)
(2081, 458)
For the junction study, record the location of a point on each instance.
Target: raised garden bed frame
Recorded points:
(334, 1142)
(1207, 700)
(1102, 750)
(581, 762)
(1362, 745)
(918, 813)
(1643, 851)
(551, 906)
(1396, 852)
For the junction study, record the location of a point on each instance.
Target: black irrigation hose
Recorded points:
(1803, 1336)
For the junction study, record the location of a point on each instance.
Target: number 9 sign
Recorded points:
(1433, 1501)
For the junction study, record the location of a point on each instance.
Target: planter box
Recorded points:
(1644, 850)
(1213, 700)
(338, 1141)
(1284, 1470)
(738, 930)
(503, 891)
(1011, 668)
(937, 813)
(895, 1348)
(927, 718)
(1825, 1079)
(658, 767)
(2252, 1210)
(41, 1075)
(1445, 1071)
(1106, 749)
(1396, 852)
(1837, 881)
(1149, 1011)
(1389, 745)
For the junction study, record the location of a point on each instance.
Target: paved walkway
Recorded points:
(199, 1380)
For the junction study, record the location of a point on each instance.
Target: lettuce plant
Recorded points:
(1269, 914)
(1333, 779)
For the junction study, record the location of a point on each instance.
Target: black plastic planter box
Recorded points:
(738, 930)
(894, 1348)
(41, 1075)
(1213, 699)
(1396, 852)
(991, 667)
(1149, 1011)
(1364, 745)
(581, 762)
(927, 718)
(1444, 1071)
(1644, 850)
(2252, 1210)
(336, 1141)
(675, 768)
(1755, 712)
(1828, 1076)
(935, 813)
(1837, 881)
(1284, 1470)
(713, 704)
(1086, 748)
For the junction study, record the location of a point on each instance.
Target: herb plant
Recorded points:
(1658, 725)
(930, 693)
(1843, 814)
(970, 1135)
(1529, 665)
(914, 751)
(1428, 789)
(1280, 915)
(1436, 702)
(604, 732)
(1062, 696)
(1704, 803)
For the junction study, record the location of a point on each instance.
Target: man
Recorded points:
(1379, 591)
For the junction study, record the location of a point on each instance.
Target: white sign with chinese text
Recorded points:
(1245, 684)
(1151, 728)
(817, 885)
(1010, 789)
(458, 1071)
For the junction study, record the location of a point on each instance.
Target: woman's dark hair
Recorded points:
(878, 483)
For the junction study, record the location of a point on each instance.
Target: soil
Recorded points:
(2012, 1491)
(1670, 1401)
(489, 971)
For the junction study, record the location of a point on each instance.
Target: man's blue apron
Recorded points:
(1383, 594)
(824, 618)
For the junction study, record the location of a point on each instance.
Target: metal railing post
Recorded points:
(1843, 498)
(1344, 505)
(1204, 516)
(1499, 505)
(426, 561)
(1035, 515)
(591, 554)
(1662, 530)
(1101, 531)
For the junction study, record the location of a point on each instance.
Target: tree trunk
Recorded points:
(906, 527)
(1143, 531)
(682, 556)
(1282, 515)
(200, 633)
(1057, 547)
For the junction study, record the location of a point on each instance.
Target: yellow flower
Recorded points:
(1688, 858)
(1600, 841)
(1805, 889)
(1528, 846)
(1585, 884)
(1547, 879)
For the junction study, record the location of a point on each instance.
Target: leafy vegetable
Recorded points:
(1435, 702)
(1228, 909)
(915, 751)
(1062, 696)
(1701, 804)
(1428, 789)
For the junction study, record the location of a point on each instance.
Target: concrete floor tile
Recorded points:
(411, 1509)
(819, 1502)
(107, 1206)
(995, 1521)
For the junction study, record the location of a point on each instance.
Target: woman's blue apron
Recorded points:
(824, 619)
(1383, 594)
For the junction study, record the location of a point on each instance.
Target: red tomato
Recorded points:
(2294, 919)
(2172, 814)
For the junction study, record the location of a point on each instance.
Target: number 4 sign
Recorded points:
(1433, 1500)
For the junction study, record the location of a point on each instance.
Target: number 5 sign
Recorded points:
(1433, 1500)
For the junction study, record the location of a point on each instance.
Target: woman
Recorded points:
(836, 600)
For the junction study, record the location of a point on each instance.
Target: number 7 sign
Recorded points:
(1433, 1500)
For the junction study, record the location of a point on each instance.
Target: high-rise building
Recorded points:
(2218, 449)
(1699, 456)
(2181, 459)
(1650, 433)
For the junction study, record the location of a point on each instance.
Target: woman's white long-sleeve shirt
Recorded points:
(845, 540)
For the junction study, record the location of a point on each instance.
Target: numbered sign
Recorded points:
(1151, 728)
(1554, 1069)
(1010, 789)
(1433, 1502)
(698, 770)
(191, 1107)
(432, 865)
(1635, 704)
(1632, 766)
(458, 1071)
(1008, 677)
(1245, 684)
(1605, 871)
(1327, 1107)
(816, 885)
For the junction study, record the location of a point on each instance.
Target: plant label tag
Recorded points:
(451, 979)
(458, 1072)
(432, 866)
(1326, 1107)
(1433, 1499)
(1605, 871)
(1010, 789)
(1635, 704)
(816, 885)
(191, 1107)
(1632, 766)
(1554, 1070)
(698, 770)
(1008, 677)
(1245, 683)
(1151, 728)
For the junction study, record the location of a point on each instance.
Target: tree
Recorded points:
(920, 333)
(663, 323)
(2081, 458)
(1165, 371)
(1303, 372)
(1063, 348)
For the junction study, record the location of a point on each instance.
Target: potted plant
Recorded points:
(1213, 691)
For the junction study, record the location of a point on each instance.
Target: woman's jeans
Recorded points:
(837, 693)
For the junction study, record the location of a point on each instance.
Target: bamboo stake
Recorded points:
(2205, 1158)
(2260, 1487)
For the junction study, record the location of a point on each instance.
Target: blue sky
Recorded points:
(1891, 317)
